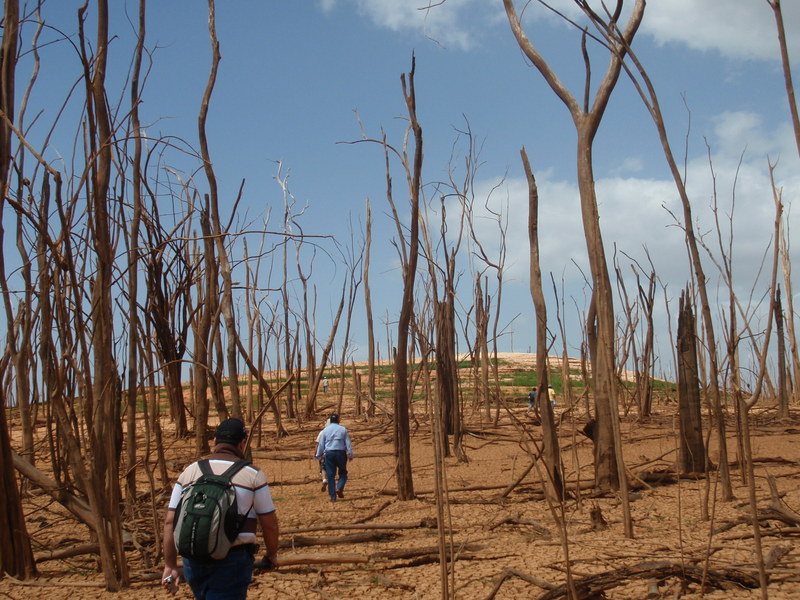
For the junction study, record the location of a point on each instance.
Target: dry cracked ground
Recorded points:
(503, 540)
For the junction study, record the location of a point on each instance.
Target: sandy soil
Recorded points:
(491, 535)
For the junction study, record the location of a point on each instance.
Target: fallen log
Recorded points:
(297, 541)
(594, 585)
(90, 548)
(422, 551)
(294, 530)
(295, 560)
(779, 505)
(79, 507)
(427, 559)
(375, 512)
(517, 520)
(509, 573)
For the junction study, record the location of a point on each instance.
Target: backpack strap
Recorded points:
(235, 468)
(228, 474)
(205, 466)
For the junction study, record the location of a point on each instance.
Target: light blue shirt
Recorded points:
(334, 437)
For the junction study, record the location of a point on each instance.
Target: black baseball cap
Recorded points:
(230, 431)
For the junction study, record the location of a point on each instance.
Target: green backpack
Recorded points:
(207, 516)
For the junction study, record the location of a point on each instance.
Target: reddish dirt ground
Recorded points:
(491, 535)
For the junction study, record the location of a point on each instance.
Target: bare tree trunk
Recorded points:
(402, 434)
(550, 451)
(287, 338)
(783, 396)
(226, 304)
(16, 555)
(205, 313)
(644, 386)
(368, 309)
(609, 469)
(308, 315)
(133, 269)
(104, 423)
(650, 98)
(313, 386)
(481, 351)
(16, 340)
(226, 307)
(692, 454)
(354, 274)
(787, 69)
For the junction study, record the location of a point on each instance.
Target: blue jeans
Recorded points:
(225, 579)
(336, 460)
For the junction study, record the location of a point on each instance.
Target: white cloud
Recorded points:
(637, 213)
(453, 23)
(629, 164)
(734, 28)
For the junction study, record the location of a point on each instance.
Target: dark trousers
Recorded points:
(336, 460)
(225, 579)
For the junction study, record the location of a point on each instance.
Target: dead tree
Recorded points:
(609, 468)
(313, 386)
(408, 250)
(19, 321)
(550, 449)
(413, 168)
(104, 424)
(692, 452)
(644, 383)
(783, 396)
(133, 266)
(783, 239)
(489, 364)
(212, 203)
(16, 555)
(368, 309)
(480, 355)
(441, 263)
(648, 94)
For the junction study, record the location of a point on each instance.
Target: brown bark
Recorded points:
(608, 460)
(783, 395)
(104, 403)
(133, 268)
(692, 453)
(402, 434)
(371, 386)
(16, 555)
(650, 98)
(550, 451)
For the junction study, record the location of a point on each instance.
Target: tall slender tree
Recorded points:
(609, 470)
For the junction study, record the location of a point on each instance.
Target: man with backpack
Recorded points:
(335, 448)
(211, 520)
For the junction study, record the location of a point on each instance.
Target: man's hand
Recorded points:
(170, 579)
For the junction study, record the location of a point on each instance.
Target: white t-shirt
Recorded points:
(252, 492)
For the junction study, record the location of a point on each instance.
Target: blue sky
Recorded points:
(297, 76)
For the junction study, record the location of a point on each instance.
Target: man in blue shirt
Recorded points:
(334, 445)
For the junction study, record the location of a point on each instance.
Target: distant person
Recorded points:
(334, 445)
(551, 395)
(322, 472)
(227, 577)
(325, 385)
(532, 400)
